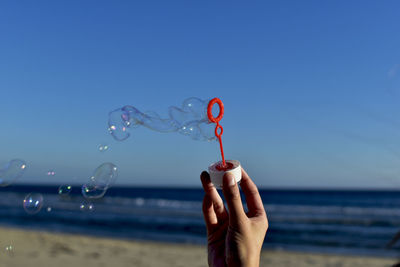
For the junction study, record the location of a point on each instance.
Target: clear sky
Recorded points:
(311, 88)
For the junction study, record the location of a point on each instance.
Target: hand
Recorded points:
(234, 238)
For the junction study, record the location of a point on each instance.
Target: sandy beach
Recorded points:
(32, 248)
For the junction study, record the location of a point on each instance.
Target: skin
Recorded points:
(235, 238)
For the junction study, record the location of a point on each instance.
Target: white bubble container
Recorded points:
(217, 173)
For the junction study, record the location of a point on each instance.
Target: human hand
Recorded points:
(235, 238)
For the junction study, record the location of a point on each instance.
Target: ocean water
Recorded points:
(347, 222)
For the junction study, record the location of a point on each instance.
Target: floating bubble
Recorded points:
(11, 172)
(9, 250)
(49, 209)
(64, 190)
(102, 178)
(51, 173)
(33, 203)
(86, 206)
(105, 174)
(103, 148)
(190, 119)
(91, 190)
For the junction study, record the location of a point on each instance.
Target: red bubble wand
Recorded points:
(218, 129)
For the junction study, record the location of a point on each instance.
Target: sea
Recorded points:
(327, 221)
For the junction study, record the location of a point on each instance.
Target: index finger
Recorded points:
(253, 198)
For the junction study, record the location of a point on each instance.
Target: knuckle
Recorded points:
(234, 194)
(254, 192)
(208, 188)
(230, 190)
(219, 206)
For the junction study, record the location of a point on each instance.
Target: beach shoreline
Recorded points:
(36, 248)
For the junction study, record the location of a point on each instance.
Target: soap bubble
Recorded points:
(103, 148)
(51, 173)
(33, 203)
(102, 178)
(48, 209)
(86, 206)
(91, 190)
(64, 190)
(105, 174)
(190, 119)
(9, 250)
(11, 172)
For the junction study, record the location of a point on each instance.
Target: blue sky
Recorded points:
(311, 89)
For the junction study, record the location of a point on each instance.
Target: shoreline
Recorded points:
(40, 248)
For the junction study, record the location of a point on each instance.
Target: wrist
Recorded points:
(252, 260)
(248, 261)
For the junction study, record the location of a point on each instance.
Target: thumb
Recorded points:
(232, 197)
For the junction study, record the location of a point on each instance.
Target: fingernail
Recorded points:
(230, 179)
(205, 176)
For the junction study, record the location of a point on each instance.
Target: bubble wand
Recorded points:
(218, 169)
(218, 129)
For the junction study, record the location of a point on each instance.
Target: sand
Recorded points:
(33, 248)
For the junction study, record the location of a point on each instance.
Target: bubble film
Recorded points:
(64, 190)
(102, 178)
(11, 172)
(91, 190)
(9, 250)
(190, 119)
(33, 203)
(86, 206)
(103, 148)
